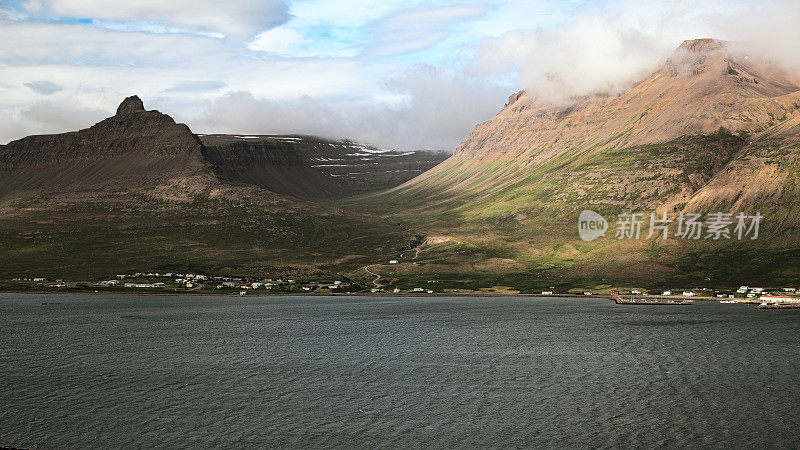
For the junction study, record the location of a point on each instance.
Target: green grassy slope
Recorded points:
(507, 222)
(133, 193)
(221, 229)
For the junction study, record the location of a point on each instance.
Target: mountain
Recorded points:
(310, 167)
(139, 192)
(130, 148)
(703, 86)
(713, 129)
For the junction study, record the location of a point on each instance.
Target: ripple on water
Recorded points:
(105, 371)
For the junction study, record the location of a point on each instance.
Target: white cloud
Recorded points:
(355, 14)
(287, 41)
(11, 128)
(281, 41)
(43, 87)
(193, 86)
(333, 70)
(769, 28)
(42, 117)
(50, 117)
(418, 28)
(429, 110)
(238, 18)
(85, 45)
(592, 55)
(608, 49)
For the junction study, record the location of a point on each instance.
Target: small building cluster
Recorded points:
(197, 282)
(193, 282)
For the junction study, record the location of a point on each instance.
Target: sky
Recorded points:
(407, 74)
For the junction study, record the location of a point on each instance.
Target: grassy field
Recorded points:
(499, 221)
(250, 232)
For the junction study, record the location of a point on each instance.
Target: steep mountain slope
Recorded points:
(135, 193)
(711, 130)
(703, 86)
(130, 148)
(310, 167)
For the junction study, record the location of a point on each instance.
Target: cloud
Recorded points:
(48, 117)
(590, 56)
(606, 50)
(281, 41)
(766, 28)
(430, 110)
(333, 70)
(51, 117)
(44, 87)
(11, 128)
(84, 45)
(414, 29)
(370, 29)
(8, 13)
(195, 86)
(237, 18)
(303, 43)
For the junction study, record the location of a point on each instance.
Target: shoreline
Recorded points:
(355, 294)
(299, 294)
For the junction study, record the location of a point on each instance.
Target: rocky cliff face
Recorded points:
(132, 150)
(712, 130)
(139, 192)
(703, 86)
(136, 148)
(131, 104)
(132, 131)
(310, 167)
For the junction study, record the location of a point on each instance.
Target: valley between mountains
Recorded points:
(712, 130)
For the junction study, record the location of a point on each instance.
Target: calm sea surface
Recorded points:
(128, 371)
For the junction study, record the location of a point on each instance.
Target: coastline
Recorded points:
(294, 294)
(352, 294)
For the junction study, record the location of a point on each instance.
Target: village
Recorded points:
(196, 283)
(184, 283)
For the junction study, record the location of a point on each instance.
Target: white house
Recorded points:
(779, 299)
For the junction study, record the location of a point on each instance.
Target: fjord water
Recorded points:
(152, 371)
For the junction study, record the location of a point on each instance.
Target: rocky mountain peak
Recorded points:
(130, 105)
(705, 45)
(697, 56)
(132, 133)
(514, 97)
(703, 86)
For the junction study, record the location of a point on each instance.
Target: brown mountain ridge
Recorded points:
(712, 130)
(138, 191)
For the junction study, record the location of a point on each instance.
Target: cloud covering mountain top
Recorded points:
(415, 74)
